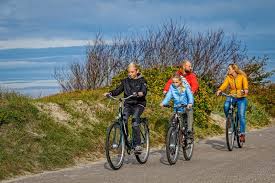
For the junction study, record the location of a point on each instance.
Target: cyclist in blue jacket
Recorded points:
(181, 94)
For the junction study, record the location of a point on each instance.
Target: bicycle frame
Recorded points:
(118, 145)
(232, 116)
(232, 108)
(122, 123)
(177, 137)
(179, 123)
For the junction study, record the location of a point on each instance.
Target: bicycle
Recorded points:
(232, 125)
(117, 139)
(177, 136)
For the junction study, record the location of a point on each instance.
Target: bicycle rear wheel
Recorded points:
(238, 133)
(172, 145)
(188, 149)
(230, 134)
(115, 146)
(142, 157)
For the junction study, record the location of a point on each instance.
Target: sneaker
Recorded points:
(138, 149)
(242, 138)
(190, 135)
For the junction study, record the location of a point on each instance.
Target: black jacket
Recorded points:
(129, 86)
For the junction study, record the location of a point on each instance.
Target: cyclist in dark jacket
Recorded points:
(133, 84)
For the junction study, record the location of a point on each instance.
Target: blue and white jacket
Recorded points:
(186, 97)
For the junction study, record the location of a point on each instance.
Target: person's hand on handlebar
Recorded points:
(138, 94)
(189, 106)
(218, 92)
(244, 92)
(107, 94)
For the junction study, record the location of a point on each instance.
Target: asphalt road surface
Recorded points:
(211, 162)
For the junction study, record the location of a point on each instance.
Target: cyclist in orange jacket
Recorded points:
(236, 79)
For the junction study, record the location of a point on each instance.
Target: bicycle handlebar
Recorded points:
(177, 106)
(228, 95)
(121, 99)
(231, 95)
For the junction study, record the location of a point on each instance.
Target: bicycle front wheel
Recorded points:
(230, 134)
(142, 157)
(115, 146)
(172, 145)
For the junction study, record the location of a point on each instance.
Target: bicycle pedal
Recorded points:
(172, 146)
(114, 146)
(137, 152)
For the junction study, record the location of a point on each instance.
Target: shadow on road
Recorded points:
(127, 160)
(217, 144)
(163, 158)
(106, 166)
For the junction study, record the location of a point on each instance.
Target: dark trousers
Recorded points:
(187, 116)
(135, 111)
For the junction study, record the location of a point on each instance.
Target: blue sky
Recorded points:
(28, 28)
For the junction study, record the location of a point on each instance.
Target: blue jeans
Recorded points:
(242, 105)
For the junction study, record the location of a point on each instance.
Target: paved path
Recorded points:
(211, 162)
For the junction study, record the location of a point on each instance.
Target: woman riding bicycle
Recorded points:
(133, 84)
(181, 95)
(236, 79)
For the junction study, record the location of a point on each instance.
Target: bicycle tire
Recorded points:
(240, 144)
(230, 133)
(113, 142)
(172, 145)
(142, 157)
(188, 149)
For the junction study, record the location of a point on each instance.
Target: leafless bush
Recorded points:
(211, 53)
(165, 46)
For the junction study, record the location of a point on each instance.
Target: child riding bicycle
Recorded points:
(181, 94)
(135, 84)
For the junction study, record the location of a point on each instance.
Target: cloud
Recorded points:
(41, 24)
(40, 43)
(33, 88)
(24, 64)
(21, 84)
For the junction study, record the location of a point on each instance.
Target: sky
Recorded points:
(37, 36)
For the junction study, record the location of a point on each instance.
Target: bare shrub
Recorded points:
(164, 46)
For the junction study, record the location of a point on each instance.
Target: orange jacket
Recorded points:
(236, 84)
